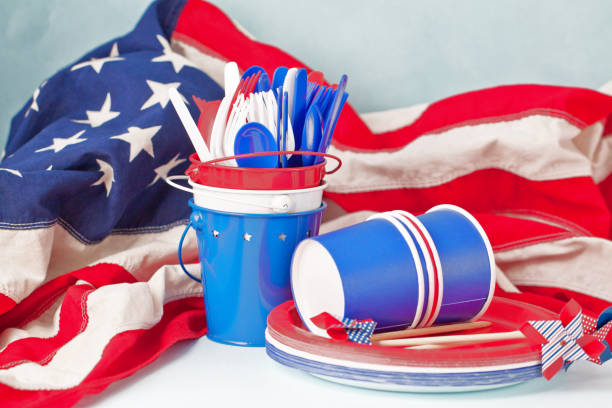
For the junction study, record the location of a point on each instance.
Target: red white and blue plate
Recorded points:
(468, 368)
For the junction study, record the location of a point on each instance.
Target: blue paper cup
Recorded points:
(245, 262)
(467, 279)
(368, 270)
(430, 262)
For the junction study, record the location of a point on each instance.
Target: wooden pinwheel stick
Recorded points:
(426, 331)
(462, 339)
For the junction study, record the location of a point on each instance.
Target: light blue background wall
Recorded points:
(396, 53)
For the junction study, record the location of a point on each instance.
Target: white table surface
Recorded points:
(210, 374)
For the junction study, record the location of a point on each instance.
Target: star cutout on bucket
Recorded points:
(247, 236)
(282, 236)
(215, 233)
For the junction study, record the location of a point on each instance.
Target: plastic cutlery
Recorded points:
(318, 96)
(344, 98)
(232, 100)
(192, 129)
(278, 78)
(263, 82)
(298, 112)
(326, 101)
(231, 76)
(311, 135)
(218, 129)
(332, 116)
(270, 103)
(289, 87)
(255, 137)
(279, 111)
(245, 87)
(251, 84)
(311, 91)
(237, 119)
(285, 119)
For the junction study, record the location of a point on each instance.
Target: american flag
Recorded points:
(89, 290)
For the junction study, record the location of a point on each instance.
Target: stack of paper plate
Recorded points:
(467, 368)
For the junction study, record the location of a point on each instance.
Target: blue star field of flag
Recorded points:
(92, 146)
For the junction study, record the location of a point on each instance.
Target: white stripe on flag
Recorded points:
(38, 255)
(44, 326)
(562, 264)
(515, 146)
(393, 119)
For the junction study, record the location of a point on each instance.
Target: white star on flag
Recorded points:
(108, 176)
(160, 94)
(34, 104)
(162, 171)
(98, 63)
(15, 172)
(177, 60)
(139, 140)
(99, 117)
(60, 143)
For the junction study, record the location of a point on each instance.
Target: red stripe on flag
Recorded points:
(44, 296)
(605, 187)
(568, 201)
(125, 354)
(555, 298)
(581, 107)
(73, 320)
(6, 304)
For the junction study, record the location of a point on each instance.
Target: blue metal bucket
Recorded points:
(245, 264)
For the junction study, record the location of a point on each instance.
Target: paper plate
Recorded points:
(468, 368)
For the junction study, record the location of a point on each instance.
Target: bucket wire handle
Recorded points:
(284, 152)
(170, 180)
(274, 205)
(180, 256)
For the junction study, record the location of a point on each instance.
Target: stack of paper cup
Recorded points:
(397, 269)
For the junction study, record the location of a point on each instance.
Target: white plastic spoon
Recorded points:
(231, 76)
(190, 126)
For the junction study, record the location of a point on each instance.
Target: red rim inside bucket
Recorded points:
(214, 174)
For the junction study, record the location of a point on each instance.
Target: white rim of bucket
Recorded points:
(482, 233)
(415, 257)
(198, 186)
(281, 199)
(325, 277)
(401, 216)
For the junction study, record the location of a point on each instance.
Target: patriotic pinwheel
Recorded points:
(357, 331)
(573, 337)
